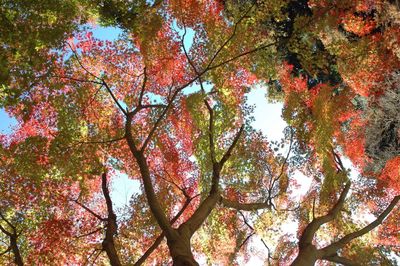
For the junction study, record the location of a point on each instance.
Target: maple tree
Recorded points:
(174, 116)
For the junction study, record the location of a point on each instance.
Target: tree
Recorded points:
(175, 117)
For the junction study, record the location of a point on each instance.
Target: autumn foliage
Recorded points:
(166, 105)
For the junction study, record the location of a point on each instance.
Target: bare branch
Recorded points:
(338, 161)
(156, 124)
(88, 257)
(174, 184)
(97, 256)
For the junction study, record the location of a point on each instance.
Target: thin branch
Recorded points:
(228, 153)
(143, 87)
(5, 231)
(97, 256)
(262, 240)
(6, 251)
(88, 258)
(349, 237)
(211, 132)
(103, 82)
(114, 98)
(102, 141)
(244, 206)
(155, 126)
(245, 241)
(313, 209)
(80, 63)
(186, 52)
(283, 166)
(190, 61)
(269, 252)
(338, 161)
(261, 47)
(90, 233)
(77, 79)
(245, 221)
(230, 37)
(9, 223)
(174, 184)
(153, 106)
(89, 210)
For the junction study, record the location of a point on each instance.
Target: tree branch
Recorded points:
(230, 37)
(334, 247)
(112, 226)
(6, 251)
(89, 210)
(143, 87)
(211, 132)
(341, 260)
(309, 232)
(282, 167)
(154, 204)
(114, 98)
(244, 206)
(228, 153)
(5, 231)
(102, 141)
(261, 47)
(80, 63)
(90, 233)
(9, 224)
(159, 239)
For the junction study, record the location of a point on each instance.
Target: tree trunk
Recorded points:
(307, 256)
(15, 249)
(109, 247)
(181, 252)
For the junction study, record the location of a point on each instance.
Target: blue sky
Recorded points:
(6, 122)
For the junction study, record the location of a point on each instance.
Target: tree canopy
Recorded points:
(166, 104)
